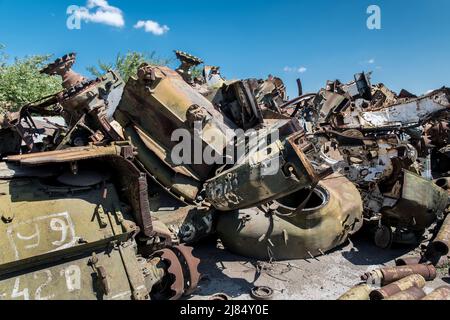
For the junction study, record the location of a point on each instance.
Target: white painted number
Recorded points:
(59, 225)
(73, 278)
(70, 275)
(38, 293)
(16, 293)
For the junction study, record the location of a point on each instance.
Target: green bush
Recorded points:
(127, 64)
(21, 82)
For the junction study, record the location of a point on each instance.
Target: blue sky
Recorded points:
(313, 40)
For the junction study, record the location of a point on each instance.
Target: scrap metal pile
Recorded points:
(94, 205)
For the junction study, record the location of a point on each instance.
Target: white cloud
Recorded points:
(295, 69)
(370, 61)
(152, 27)
(99, 11)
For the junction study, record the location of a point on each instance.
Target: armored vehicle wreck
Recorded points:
(105, 202)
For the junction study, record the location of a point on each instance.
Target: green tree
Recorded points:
(3, 57)
(21, 81)
(197, 72)
(127, 64)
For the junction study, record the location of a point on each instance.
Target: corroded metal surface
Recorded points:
(359, 292)
(72, 154)
(442, 241)
(175, 271)
(412, 293)
(385, 276)
(351, 154)
(441, 293)
(63, 67)
(414, 280)
(182, 271)
(330, 215)
(184, 254)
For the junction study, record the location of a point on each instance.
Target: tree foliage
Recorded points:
(197, 72)
(21, 82)
(127, 64)
(3, 57)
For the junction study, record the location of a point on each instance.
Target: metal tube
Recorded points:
(415, 280)
(441, 243)
(441, 293)
(359, 292)
(412, 293)
(388, 275)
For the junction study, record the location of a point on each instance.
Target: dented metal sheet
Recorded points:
(405, 114)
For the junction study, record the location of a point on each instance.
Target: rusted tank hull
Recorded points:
(336, 212)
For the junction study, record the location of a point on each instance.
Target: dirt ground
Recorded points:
(324, 278)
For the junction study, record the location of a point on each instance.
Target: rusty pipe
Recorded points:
(388, 275)
(443, 262)
(441, 293)
(359, 292)
(441, 243)
(415, 280)
(412, 293)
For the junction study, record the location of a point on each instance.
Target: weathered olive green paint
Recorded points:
(159, 101)
(63, 242)
(271, 172)
(263, 235)
(48, 222)
(183, 187)
(77, 279)
(75, 102)
(420, 203)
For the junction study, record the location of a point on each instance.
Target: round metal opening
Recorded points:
(442, 182)
(317, 200)
(440, 247)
